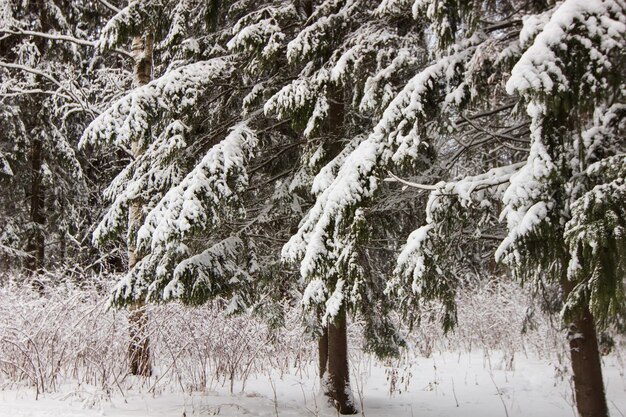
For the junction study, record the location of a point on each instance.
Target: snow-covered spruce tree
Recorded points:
(196, 129)
(564, 203)
(349, 61)
(44, 105)
(565, 208)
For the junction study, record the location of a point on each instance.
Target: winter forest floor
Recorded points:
(63, 354)
(444, 385)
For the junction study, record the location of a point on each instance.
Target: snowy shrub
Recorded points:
(56, 331)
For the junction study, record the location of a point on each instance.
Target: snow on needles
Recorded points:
(127, 18)
(266, 33)
(358, 176)
(527, 199)
(213, 268)
(314, 37)
(175, 93)
(198, 200)
(469, 191)
(150, 173)
(5, 168)
(539, 68)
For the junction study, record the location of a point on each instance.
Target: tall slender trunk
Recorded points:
(338, 369)
(587, 367)
(323, 353)
(139, 359)
(36, 244)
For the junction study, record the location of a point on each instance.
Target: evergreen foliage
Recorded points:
(199, 133)
(574, 111)
(45, 104)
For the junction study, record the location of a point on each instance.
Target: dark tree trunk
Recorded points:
(305, 7)
(337, 386)
(338, 370)
(323, 353)
(36, 244)
(587, 368)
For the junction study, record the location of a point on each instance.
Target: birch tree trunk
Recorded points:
(139, 359)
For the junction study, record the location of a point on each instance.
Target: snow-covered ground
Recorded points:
(74, 349)
(446, 385)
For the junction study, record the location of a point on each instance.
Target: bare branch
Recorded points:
(497, 136)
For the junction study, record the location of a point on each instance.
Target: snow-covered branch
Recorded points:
(395, 178)
(84, 105)
(61, 38)
(207, 196)
(131, 118)
(393, 140)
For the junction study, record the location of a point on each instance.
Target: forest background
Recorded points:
(349, 160)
